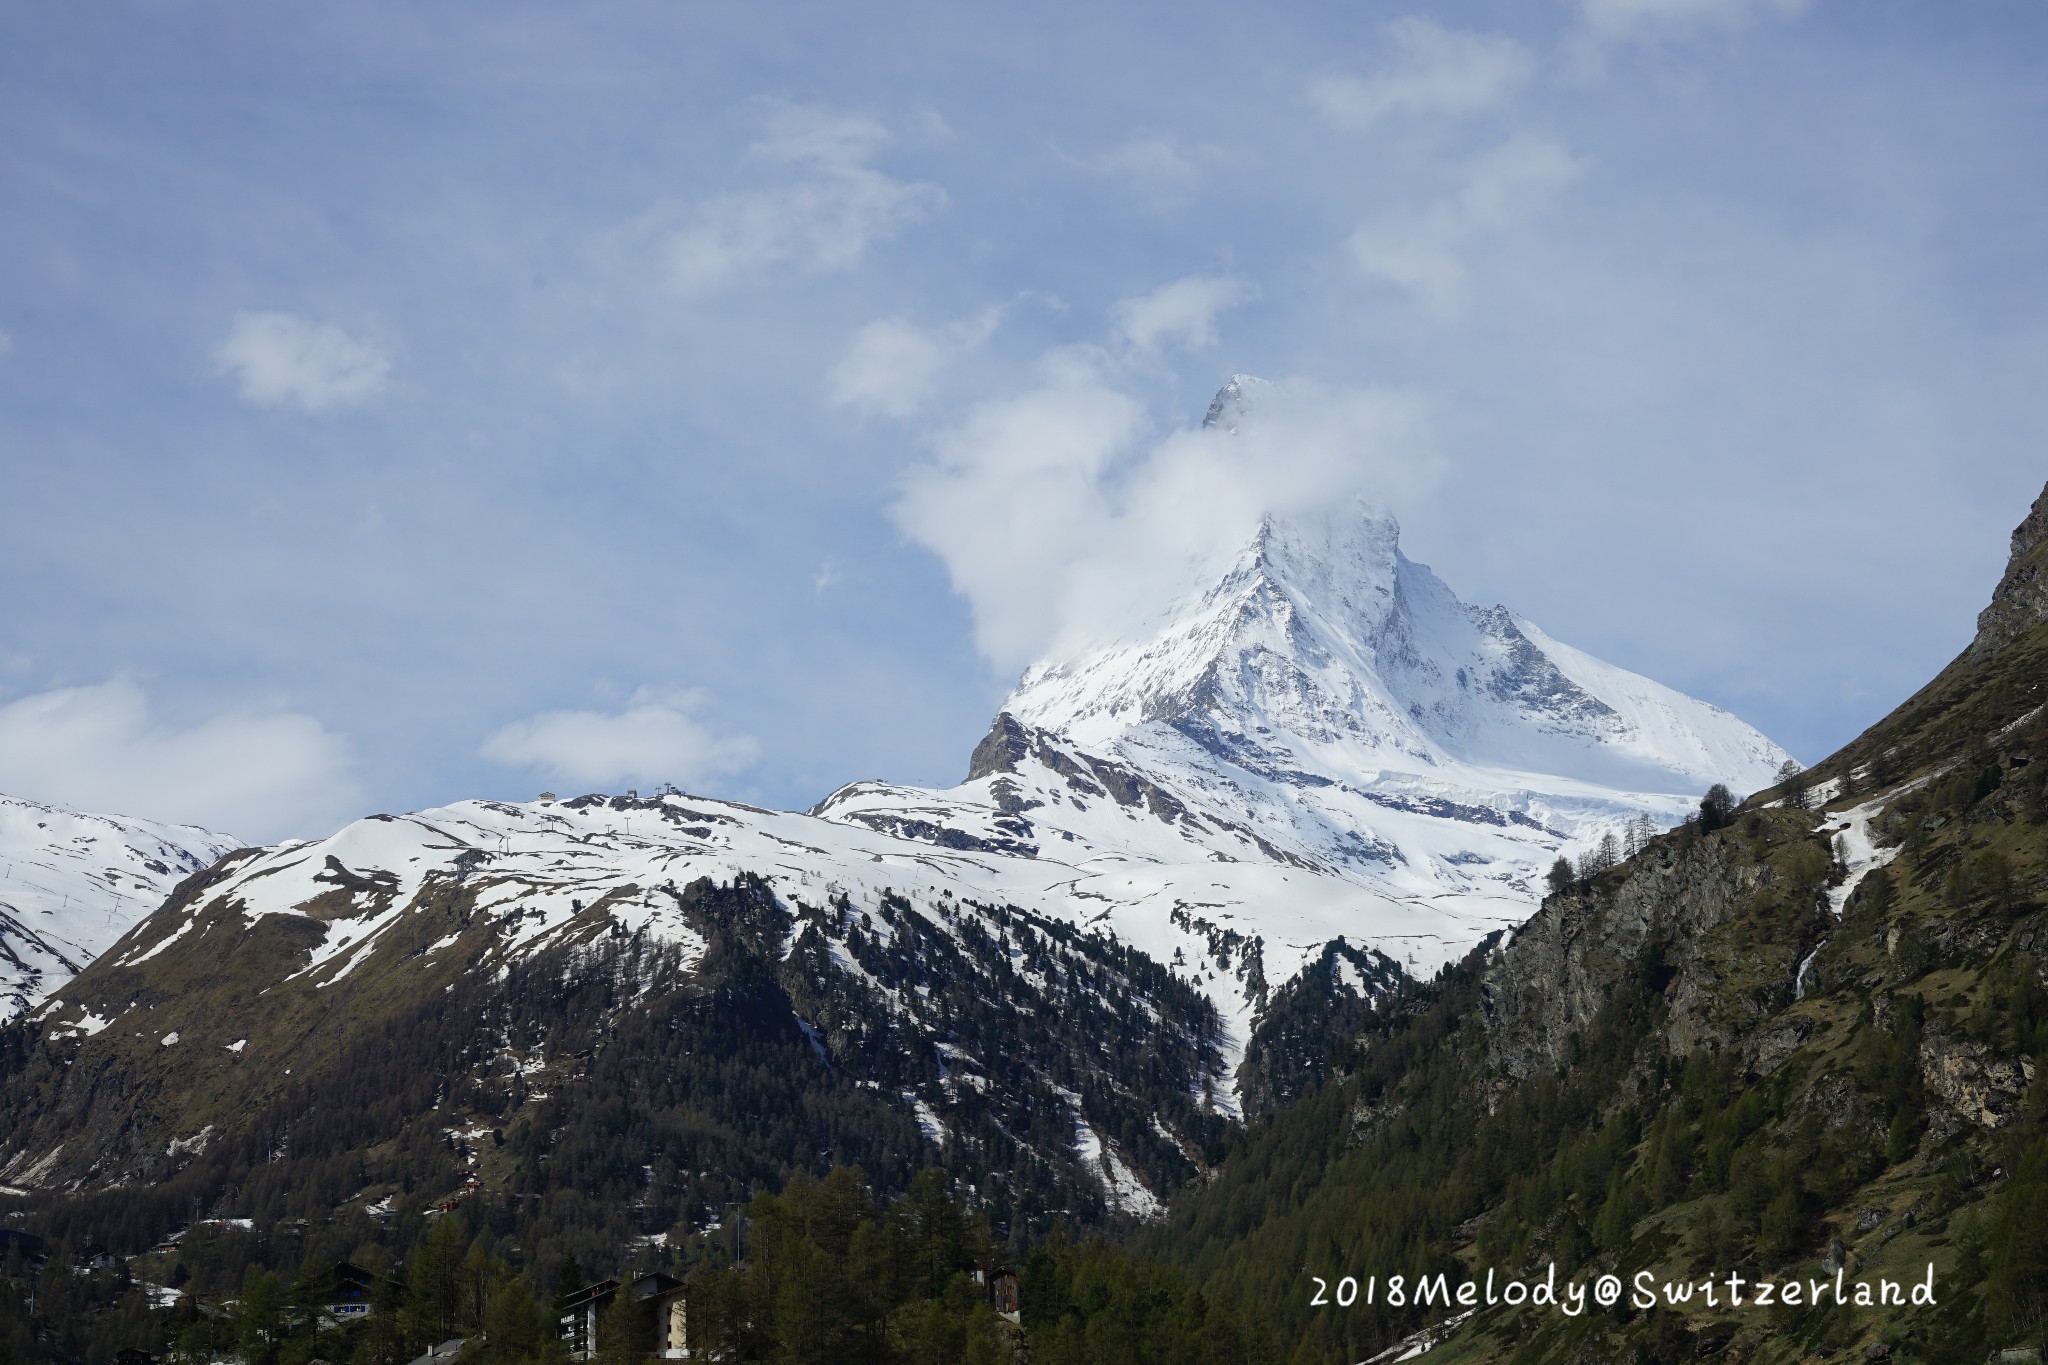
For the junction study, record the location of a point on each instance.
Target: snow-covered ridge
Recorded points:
(72, 883)
(1227, 927)
(545, 874)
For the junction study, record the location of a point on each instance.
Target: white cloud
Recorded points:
(1626, 19)
(655, 738)
(1519, 175)
(279, 360)
(259, 775)
(833, 207)
(1064, 524)
(1182, 313)
(892, 364)
(1435, 70)
(1424, 254)
(1151, 165)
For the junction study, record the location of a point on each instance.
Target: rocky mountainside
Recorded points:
(71, 884)
(1805, 1040)
(893, 1004)
(2020, 600)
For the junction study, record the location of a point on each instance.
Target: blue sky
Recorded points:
(399, 405)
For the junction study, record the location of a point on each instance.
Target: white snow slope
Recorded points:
(71, 884)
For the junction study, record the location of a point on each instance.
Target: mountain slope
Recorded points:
(916, 993)
(71, 884)
(1813, 1040)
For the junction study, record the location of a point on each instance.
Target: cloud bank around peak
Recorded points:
(260, 775)
(656, 737)
(1069, 518)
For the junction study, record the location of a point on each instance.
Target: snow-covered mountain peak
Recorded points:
(72, 883)
(1237, 397)
(1290, 632)
(1323, 647)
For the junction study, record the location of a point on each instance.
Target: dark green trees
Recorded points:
(1717, 807)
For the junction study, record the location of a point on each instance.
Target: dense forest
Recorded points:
(603, 1093)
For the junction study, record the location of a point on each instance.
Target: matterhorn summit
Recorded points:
(1327, 706)
(1325, 651)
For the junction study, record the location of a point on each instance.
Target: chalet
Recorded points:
(349, 1292)
(999, 1283)
(1002, 1292)
(656, 1302)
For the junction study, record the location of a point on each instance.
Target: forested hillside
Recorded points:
(602, 1092)
(1715, 1058)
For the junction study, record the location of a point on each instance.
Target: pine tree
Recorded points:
(1797, 795)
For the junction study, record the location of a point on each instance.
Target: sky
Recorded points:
(401, 404)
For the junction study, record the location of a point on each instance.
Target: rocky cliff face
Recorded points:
(1694, 905)
(2020, 601)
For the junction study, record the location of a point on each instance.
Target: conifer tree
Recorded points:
(1717, 807)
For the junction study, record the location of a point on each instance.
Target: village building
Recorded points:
(660, 1315)
(349, 1293)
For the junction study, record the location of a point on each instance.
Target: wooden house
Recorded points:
(349, 1292)
(999, 1283)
